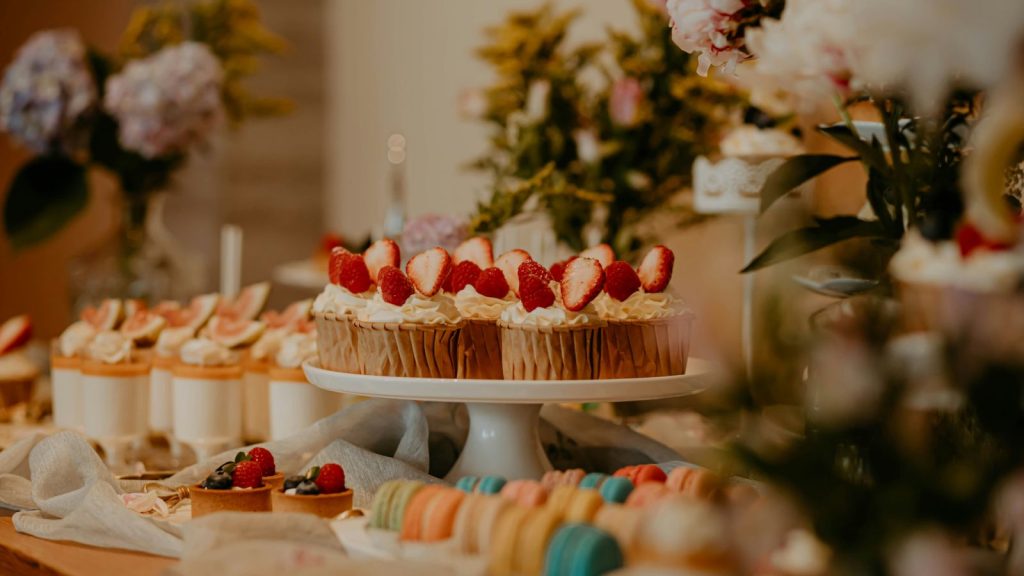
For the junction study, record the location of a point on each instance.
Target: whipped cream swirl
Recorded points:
(170, 341)
(940, 263)
(472, 304)
(206, 352)
(552, 316)
(75, 338)
(638, 306)
(110, 347)
(296, 349)
(339, 301)
(418, 309)
(268, 344)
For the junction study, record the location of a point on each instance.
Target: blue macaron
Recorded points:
(582, 550)
(490, 485)
(466, 483)
(593, 480)
(616, 490)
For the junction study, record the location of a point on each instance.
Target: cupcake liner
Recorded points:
(550, 352)
(337, 343)
(404, 349)
(480, 350)
(646, 348)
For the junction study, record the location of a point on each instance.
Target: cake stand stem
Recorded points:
(503, 441)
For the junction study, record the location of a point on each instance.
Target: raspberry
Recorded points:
(395, 288)
(331, 479)
(535, 293)
(265, 459)
(464, 274)
(248, 474)
(620, 280)
(533, 268)
(491, 282)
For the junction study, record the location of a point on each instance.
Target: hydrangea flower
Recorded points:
(709, 28)
(46, 90)
(430, 230)
(168, 101)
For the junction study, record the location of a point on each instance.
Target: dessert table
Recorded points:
(21, 554)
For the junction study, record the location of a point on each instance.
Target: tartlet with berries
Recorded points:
(235, 486)
(321, 491)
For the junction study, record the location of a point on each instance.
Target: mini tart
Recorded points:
(406, 349)
(550, 352)
(275, 481)
(322, 505)
(127, 370)
(230, 372)
(205, 501)
(337, 342)
(479, 355)
(646, 348)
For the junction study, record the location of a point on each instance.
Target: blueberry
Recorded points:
(293, 481)
(307, 488)
(217, 481)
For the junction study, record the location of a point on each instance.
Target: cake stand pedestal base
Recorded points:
(502, 441)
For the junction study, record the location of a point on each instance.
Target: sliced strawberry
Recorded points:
(395, 288)
(533, 268)
(655, 269)
(969, 239)
(491, 282)
(535, 293)
(620, 280)
(352, 273)
(477, 250)
(509, 264)
(382, 253)
(428, 269)
(334, 264)
(464, 274)
(603, 253)
(15, 332)
(581, 283)
(558, 268)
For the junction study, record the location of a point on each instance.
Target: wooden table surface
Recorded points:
(21, 554)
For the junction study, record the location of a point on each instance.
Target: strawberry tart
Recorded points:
(235, 486)
(481, 294)
(321, 491)
(352, 277)
(410, 327)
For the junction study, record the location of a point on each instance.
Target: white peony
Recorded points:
(708, 27)
(168, 101)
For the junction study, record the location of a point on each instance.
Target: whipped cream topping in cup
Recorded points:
(296, 349)
(206, 352)
(75, 338)
(752, 141)
(170, 341)
(418, 309)
(940, 263)
(474, 305)
(638, 306)
(339, 301)
(268, 344)
(552, 316)
(110, 347)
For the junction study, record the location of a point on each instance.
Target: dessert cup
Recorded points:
(255, 400)
(206, 501)
(479, 355)
(161, 395)
(322, 505)
(207, 407)
(66, 385)
(115, 403)
(337, 342)
(550, 352)
(406, 349)
(295, 404)
(646, 348)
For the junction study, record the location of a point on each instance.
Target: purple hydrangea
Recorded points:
(46, 90)
(168, 101)
(430, 230)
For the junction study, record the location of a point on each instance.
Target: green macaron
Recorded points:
(582, 550)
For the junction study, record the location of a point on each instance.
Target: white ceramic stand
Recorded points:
(503, 415)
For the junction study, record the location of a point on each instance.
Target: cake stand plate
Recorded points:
(503, 414)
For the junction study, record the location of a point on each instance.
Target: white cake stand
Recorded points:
(503, 414)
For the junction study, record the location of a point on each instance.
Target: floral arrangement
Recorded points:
(137, 113)
(607, 155)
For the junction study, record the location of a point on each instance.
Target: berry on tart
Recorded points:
(533, 268)
(620, 280)
(395, 288)
(350, 272)
(242, 472)
(581, 283)
(265, 459)
(331, 479)
(326, 479)
(382, 253)
(427, 270)
(534, 292)
(969, 239)
(603, 253)
(477, 250)
(464, 274)
(558, 268)
(248, 474)
(655, 269)
(334, 265)
(509, 263)
(491, 282)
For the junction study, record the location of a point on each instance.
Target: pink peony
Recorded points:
(709, 27)
(624, 102)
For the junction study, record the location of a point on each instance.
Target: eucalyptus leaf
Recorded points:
(46, 193)
(806, 240)
(794, 172)
(870, 155)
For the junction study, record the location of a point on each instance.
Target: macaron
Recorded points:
(593, 480)
(616, 489)
(412, 522)
(583, 506)
(526, 493)
(382, 504)
(537, 531)
(485, 485)
(646, 494)
(475, 521)
(642, 474)
(506, 532)
(621, 522)
(439, 519)
(693, 482)
(554, 478)
(399, 501)
(582, 550)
